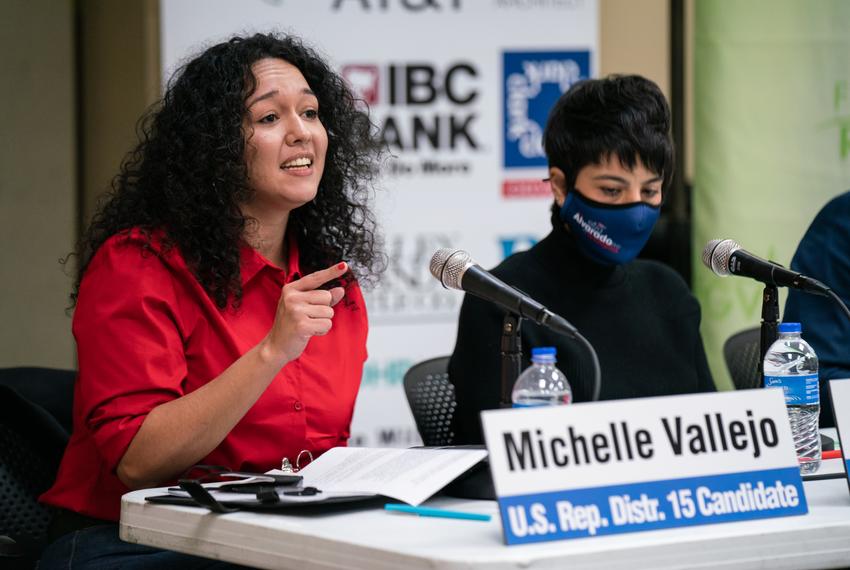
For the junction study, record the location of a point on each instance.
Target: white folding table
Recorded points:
(371, 538)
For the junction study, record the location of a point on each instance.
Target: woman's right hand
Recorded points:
(303, 311)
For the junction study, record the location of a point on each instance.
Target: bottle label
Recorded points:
(799, 390)
(529, 404)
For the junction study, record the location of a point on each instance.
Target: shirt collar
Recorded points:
(252, 261)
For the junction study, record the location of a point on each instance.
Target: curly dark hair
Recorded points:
(188, 176)
(624, 115)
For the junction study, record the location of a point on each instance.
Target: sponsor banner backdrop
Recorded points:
(772, 133)
(460, 90)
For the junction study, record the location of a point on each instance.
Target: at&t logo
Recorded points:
(405, 5)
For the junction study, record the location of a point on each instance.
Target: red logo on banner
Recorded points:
(533, 188)
(364, 81)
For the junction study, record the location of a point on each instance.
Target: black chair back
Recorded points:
(32, 441)
(432, 400)
(31, 447)
(50, 388)
(742, 353)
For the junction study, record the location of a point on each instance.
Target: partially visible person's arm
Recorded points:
(824, 254)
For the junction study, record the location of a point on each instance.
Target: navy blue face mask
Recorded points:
(609, 234)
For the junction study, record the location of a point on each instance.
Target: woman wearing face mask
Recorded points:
(610, 161)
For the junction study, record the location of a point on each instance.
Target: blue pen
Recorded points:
(432, 512)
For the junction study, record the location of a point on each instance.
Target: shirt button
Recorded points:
(297, 405)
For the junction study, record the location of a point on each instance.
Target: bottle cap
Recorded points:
(544, 351)
(790, 327)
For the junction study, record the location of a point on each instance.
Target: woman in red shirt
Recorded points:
(216, 321)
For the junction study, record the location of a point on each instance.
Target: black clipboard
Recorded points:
(263, 498)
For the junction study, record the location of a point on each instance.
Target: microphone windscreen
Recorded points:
(716, 254)
(708, 251)
(448, 266)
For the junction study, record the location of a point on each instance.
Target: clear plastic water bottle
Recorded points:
(791, 364)
(541, 384)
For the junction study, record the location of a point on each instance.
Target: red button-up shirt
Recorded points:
(148, 333)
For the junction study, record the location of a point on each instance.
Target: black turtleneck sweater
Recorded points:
(640, 317)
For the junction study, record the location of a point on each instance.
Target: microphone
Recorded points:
(726, 256)
(455, 269)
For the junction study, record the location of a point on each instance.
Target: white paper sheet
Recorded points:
(408, 475)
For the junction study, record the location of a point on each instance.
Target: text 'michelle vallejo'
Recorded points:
(531, 449)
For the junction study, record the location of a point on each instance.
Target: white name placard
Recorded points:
(840, 390)
(643, 464)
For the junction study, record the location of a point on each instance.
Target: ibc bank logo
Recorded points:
(364, 81)
(532, 83)
(420, 106)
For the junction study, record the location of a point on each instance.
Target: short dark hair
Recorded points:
(188, 176)
(623, 115)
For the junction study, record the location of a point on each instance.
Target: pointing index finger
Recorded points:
(318, 278)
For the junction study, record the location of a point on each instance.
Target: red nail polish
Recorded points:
(341, 265)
